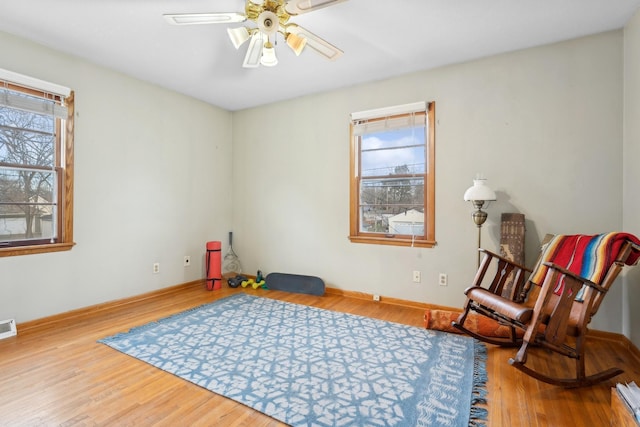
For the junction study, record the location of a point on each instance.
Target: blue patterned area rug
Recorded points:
(307, 366)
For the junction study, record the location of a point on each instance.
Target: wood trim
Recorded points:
(616, 338)
(430, 184)
(74, 315)
(67, 213)
(389, 300)
(65, 376)
(355, 157)
(393, 241)
(36, 249)
(592, 334)
(354, 177)
(635, 352)
(25, 88)
(65, 196)
(606, 336)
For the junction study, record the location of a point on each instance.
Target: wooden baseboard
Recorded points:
(604, 335)
(388, 300)
(594, 334)
(80, 313)
(633, 349)
(617, 338)
(77, 314)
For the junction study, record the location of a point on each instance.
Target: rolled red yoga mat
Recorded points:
(214, 265)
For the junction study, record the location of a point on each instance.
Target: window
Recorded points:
(36, 166)
(392, 176)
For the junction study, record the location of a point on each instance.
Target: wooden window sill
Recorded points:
(35, 249)
(393, 241)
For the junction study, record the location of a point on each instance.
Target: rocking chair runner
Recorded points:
(553, 307)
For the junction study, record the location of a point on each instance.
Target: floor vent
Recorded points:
(7, 328)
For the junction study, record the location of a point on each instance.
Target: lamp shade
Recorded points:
(479, 191)
(296, 43)
(238, 36)
(269, 58)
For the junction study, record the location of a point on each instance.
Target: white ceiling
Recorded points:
(380, 39)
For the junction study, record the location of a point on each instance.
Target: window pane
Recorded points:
(27, 204)
(392, 206)
(392, 182)
(36, 168)
(26, 138)
(393, 152)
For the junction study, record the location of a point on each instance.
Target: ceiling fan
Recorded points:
(270, 17)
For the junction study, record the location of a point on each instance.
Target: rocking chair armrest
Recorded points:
(508, 261)
(576, 277)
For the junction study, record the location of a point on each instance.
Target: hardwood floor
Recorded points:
(56, 373)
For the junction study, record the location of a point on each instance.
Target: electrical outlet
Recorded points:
(376, 297)
(156, 267)
(187, 261)
(442, 279)
(416, 276)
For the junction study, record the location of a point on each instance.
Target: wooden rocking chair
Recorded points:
(553, 306)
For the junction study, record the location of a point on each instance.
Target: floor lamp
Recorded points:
(479, 194)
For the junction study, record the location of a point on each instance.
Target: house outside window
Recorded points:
(392, 173)
(36, 165)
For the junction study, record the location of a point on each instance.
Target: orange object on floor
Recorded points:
(440, 320)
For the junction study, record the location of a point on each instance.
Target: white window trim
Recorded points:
(390, 111)
(34, 83)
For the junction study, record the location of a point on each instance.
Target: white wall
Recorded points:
(544, 125)
(631, 208)
(152, 184)
(156, 177)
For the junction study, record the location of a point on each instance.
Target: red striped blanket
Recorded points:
(587, 256)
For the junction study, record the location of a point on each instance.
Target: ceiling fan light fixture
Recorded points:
(268, 23)
(296, 43)
(238, 36)
(270, 18)
(269, 58)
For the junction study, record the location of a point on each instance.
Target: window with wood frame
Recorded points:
(36, 165)
(392, 174)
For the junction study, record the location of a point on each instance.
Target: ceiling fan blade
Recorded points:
(204, 18)
(296, 7)
(254, 52)
(318, 44)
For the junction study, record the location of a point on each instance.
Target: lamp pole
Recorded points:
(479, 217)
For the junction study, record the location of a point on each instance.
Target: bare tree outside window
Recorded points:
(36, 166)
(27, 175)
(392, 178)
